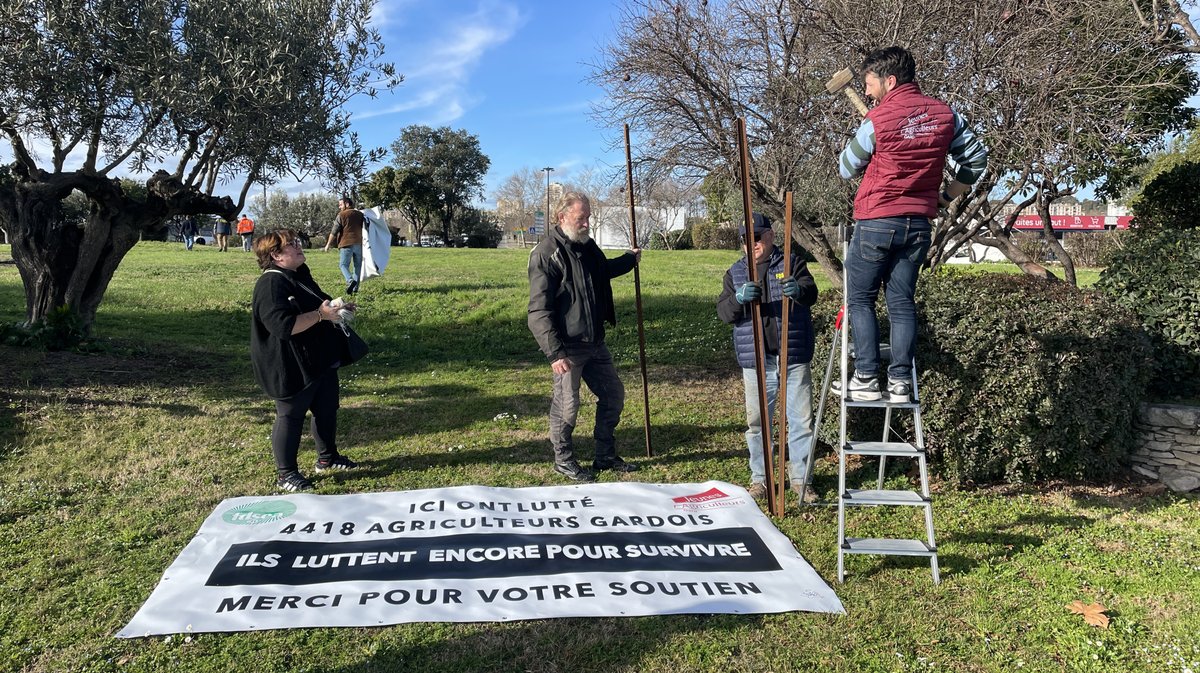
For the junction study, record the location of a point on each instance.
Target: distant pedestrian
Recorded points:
(221, 233)
(188, 231)
(348, 234)
(245, 229)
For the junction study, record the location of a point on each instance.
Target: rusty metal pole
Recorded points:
(781, 394)
(637, 293)
(756, 317)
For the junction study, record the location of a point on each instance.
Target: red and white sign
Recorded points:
(1075, 222)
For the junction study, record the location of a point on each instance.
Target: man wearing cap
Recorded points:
(570, 299)
(900, 150)
(734, 307)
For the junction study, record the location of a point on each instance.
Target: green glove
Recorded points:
(748, 292)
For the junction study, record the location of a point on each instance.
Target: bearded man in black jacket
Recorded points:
(570, 299)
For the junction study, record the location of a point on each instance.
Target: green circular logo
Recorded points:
(254, 513)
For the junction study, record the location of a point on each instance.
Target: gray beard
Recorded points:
(577, 236)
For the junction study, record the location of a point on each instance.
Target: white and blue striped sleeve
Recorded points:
(967, 152)
(858, 151)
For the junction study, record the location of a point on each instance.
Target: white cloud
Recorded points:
(565, 166)
(389, 13)
(437, 69)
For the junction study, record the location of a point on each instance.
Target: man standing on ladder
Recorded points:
(733, 306)
(902, 148)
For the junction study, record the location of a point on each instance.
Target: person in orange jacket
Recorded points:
(245, 229)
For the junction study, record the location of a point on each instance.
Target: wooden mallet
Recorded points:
(842, 81)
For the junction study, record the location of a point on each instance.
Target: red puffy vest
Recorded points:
(912, 136)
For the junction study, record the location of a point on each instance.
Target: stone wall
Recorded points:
(1169, 445)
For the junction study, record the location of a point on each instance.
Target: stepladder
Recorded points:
(892, 443)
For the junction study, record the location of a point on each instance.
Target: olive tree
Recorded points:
(311, 215)
(187, 97)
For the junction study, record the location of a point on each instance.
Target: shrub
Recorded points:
(62, 329)
(683, 239)
(1094, 249)
(1157, 276)
(1032, 244)
(1169, 200)
(1020, 378)
(710, 236)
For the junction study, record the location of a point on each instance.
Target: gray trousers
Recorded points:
(592, 365)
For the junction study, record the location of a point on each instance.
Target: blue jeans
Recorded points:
(189, 241)
(888, 252)
(350, 257)
(799, 411)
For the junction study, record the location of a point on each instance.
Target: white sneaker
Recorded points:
(899, 391)
(861, 390)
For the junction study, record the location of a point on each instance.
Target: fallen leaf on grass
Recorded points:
(1157, 488)
(1092, 614)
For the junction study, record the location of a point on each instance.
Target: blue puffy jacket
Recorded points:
(800, 329)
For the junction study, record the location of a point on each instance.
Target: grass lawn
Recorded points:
(111, 460)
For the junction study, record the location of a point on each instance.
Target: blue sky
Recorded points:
(511, 72)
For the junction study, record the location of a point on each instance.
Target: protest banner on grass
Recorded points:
(475, 553)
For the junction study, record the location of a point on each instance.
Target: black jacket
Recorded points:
(570, 293)
(284, 363)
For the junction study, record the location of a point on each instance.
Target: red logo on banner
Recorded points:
(710, 499)
(711, 494)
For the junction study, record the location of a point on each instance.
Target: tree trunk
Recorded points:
(66, 263)
(1030, 267)
(1060, 253)
(44, 244)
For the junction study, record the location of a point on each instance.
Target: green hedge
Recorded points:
(1021, 379)
(1170, 200)
(714, 236)
(1157, 276)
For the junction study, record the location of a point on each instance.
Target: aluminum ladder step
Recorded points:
(887, 546)
(885, 404)
(893, 449)
(859, 497)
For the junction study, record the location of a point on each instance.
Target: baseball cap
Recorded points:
(762, 224)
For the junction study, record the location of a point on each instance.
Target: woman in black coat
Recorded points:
(295, 349)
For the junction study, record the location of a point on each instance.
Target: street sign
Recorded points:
(539, 219)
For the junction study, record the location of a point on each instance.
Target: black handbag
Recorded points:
(353, 347)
